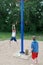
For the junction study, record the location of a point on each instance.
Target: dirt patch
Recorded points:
(7, 51)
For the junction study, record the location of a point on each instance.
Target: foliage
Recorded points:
(10, 13)
(34, 16)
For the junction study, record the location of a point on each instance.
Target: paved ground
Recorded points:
(7, 51)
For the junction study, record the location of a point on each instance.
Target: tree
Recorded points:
(9, 13)
(33, 10)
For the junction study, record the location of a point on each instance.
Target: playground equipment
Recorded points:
(22, 25)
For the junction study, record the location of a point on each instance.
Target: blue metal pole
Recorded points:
(22, 25)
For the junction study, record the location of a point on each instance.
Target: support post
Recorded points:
(22, 25)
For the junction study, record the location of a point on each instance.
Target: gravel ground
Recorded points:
(7, 51)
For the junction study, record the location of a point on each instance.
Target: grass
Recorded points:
(38, 37)
(4, 36)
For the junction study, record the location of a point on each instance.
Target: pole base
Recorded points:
(21, 55)
(22, 52)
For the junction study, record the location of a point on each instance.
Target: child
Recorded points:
(13, 34)
(34, 49)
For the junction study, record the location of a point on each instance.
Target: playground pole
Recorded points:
(22, 25)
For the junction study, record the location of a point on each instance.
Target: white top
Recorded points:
(13, 34)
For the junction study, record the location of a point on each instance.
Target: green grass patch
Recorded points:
(7, 35)
(4, 36)
(38, 37)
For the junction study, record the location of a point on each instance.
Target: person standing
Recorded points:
(34, 50)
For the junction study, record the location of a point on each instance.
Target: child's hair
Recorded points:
(13, 30)
(34, 37)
